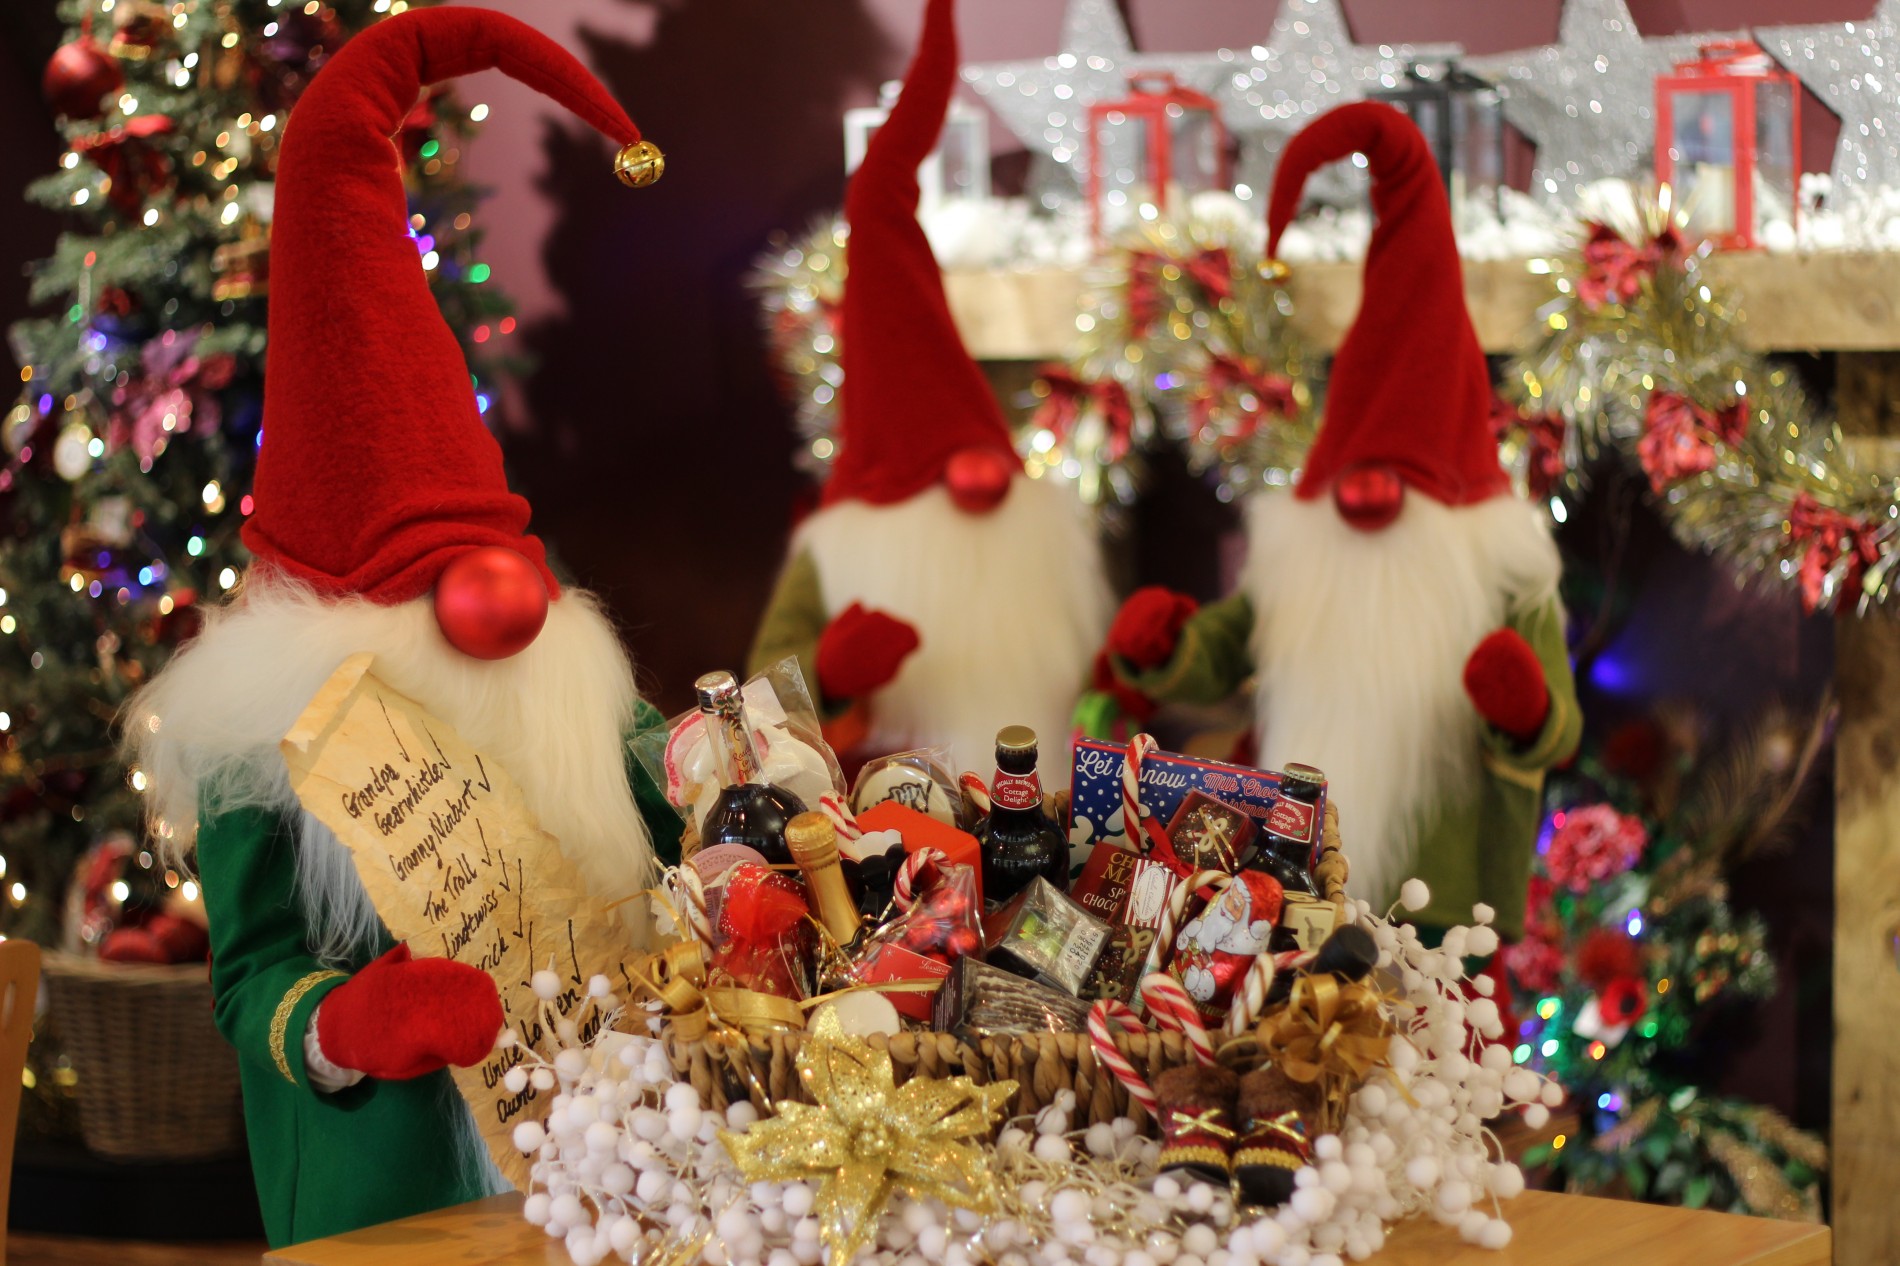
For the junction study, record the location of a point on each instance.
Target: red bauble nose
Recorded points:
(491, 603)
(978, 479)
(1369, 497)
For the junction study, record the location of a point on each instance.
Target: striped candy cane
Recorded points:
(841, 817)
(1139, 748)
(977, 790)
(1171, 1008)
(1102, 1016)
(688, 894)
(1251, 998)
(1178, 899)
(904, 885)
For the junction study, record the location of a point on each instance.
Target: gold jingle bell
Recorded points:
(639, 164)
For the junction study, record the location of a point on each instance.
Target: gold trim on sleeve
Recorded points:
(280, 1021)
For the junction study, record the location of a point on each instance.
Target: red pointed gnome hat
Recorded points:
(912, 396)
(375, 470)
(1409, 387)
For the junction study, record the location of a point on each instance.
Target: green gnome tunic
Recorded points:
(326, 1163)
(383, 522)
(1475, 847)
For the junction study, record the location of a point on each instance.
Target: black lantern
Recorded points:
(1462, 117)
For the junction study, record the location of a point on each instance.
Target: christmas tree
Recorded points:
(1634, 962)
(128, 455)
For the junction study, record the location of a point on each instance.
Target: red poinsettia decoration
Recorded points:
(1070, 398)
(1258, 395)
(1211, 269)
(1614, 269)
(1623, 1001)
(1594, 843)
(1536, 964)
(1679, 436)
(1828, 536)
(1543, 437)
(174, 391)
(1606, 955)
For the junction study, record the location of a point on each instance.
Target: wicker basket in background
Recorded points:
(156, 1080)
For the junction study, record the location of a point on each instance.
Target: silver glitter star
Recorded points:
(1851, 66)
(1308, 66)
(1589, 100)
(1045, 102)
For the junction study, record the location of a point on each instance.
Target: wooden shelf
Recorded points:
(1839, 301)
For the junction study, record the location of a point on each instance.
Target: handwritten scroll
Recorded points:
(456, 867)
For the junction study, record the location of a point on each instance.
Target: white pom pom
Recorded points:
(542, 1079)
(1552, 1095)
(1482, 913)
(529, 1135)
(1454, 941)
(1506, 1181)
(1314, 1204)
(1053, 1148)
(546, 985)
(567, 1210)
(601, 1138)
(1454, 1197)
(741, 1116)
(1200, 1240)
(797, 1200)
(683, 1123)
(1497, 1234)
(515, 1079)
(1070, 1205)
(1422, 1172)
(1521, 1085)
(651, 1185)
(1167, 1187)
(1200, 1197)
(570, 1063)
(535, 1208)
(1328, 1147)
(1100, 1139)
(1336, 1176)
(681, 1095)
(1372, 1100)
(599, 986)
(1482, 942)
(1537, 1116)
(1414, 895)
(1482, 1014)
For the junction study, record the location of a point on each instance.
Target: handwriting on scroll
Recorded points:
(456, 866)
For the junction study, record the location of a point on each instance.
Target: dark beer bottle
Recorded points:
(1285, 849)
(1019, 840)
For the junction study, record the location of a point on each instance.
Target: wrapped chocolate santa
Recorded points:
(938, 592)
(1218, 945)
(384, 525)
(1398, 613)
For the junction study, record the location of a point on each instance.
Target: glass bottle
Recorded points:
(813, 841)
(1286, 846)
(749, 812)
(1019, 840)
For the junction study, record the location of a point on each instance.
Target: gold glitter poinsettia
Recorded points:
(869, 1138)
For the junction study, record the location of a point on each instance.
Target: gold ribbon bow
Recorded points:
(1204, 1124)
(1330, 1034)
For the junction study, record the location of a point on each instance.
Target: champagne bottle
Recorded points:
(749, 811)
(814, 845)
(1018, 839)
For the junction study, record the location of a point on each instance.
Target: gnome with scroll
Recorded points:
(938, 593)
(383, 524)
(1398, 613)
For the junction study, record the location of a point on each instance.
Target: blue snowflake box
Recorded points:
(1167, 778)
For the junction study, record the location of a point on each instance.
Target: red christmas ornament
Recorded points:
(978, 479)
(78, 78)
(491, 603)
(1623, 1000)
(1369, 497)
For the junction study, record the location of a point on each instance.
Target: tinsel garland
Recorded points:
(1638, 354)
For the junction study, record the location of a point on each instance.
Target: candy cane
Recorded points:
(1108, 1055)
(1177, 906)
(902, 887)
(1251, 998)
(1171, 1007)
(978, 792)
(841, 818)
(1139, 748)
(689, 899)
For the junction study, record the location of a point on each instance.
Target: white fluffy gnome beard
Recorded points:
(1009, 608)
(1360, 641)
(555, 716)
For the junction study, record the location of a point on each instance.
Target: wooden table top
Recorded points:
(1551, 1230)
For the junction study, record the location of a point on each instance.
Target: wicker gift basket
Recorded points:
(727, 1063)
(156, 1080)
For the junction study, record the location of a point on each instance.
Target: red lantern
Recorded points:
(1728, 141)
(1157, 147)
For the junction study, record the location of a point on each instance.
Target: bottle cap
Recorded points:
(717, 691)
(812, 838)
(1304, 773)
(1015, 738)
